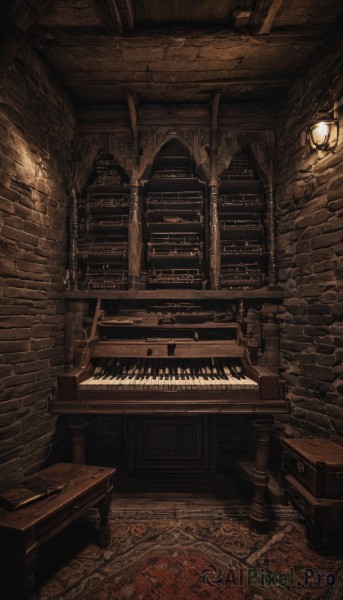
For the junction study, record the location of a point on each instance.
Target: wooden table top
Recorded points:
(79, 479)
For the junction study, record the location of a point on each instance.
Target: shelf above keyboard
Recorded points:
(184, 294)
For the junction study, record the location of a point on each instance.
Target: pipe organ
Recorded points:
(159, 335)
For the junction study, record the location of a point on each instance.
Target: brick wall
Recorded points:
(36, 129)
(310, 249)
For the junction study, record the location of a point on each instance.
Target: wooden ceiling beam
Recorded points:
(263, 16)
(116, 15)
(69, 79)
(77, 36)
(15, 22)
(247, 116)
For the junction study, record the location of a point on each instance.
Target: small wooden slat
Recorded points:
(263, 15)
(269, 19)
(182, 294)
(160, 349)
(155, 328)
(132, 105)
(96, 318)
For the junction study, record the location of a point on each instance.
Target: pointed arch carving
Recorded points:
(227, 148)
(85, 150)
(160, 136)
(263, 151)
(260, 147)
(121, 148)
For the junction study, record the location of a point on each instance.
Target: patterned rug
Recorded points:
(188, 555)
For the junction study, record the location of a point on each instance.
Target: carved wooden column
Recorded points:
(78, 428)
(72, 282)
(73, 331)
(271, 228)
(214, 238)
(135, 238)
(258, 514)
(135, 220)
(214, 219)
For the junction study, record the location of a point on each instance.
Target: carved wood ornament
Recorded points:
(212, 150)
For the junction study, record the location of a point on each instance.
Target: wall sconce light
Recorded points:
(323, 132)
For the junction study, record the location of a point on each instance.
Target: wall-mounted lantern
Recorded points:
(323, 131)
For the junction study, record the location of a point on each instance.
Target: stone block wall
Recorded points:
(310, 254)
(36, 130)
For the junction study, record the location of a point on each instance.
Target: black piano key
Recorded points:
(132, 368)
(221, 366)
(154, 369)
(233, 371)
(240, 371)
(203, 370)
(115, 369)
(142, 369)
(209, 369)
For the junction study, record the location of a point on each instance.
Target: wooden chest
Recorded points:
(323, 516)
(316, 463)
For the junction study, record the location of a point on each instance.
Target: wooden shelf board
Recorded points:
(182, 294)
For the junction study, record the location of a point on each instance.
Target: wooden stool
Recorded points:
(22, 532)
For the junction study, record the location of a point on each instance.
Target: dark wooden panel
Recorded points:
(171, 443)
(160, 350)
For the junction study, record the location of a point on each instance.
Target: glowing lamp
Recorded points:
(323, 132)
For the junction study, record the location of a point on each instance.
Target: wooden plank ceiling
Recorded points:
(180, 50)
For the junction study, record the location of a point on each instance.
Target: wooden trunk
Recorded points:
(317, 464)
(324, 516)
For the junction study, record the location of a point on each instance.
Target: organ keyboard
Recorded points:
(191, 361)
(168, 375)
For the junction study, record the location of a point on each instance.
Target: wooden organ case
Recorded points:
(160, 328)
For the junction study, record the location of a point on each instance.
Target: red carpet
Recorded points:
(205, 554)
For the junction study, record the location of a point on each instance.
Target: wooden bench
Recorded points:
(23, 531)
